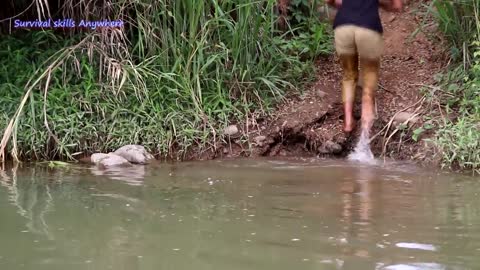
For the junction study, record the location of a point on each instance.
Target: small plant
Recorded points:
(460, 143)
(419, 131)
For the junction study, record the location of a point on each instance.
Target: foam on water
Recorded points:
(416, 266)
(362, 152)
(417, 246)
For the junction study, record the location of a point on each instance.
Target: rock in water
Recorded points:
(109, 160)
(95, 158)
(134, 153)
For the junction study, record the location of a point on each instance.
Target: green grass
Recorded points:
(178, 74)
(457, 20)
(458, 135)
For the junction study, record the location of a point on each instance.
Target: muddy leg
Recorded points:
(370, 70)
(349, 83)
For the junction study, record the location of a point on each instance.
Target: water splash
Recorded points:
(362, 151)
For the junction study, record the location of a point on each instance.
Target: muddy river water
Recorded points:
(239, 214)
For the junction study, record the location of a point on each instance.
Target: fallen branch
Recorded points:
(384, 148)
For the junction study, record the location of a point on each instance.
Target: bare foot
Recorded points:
(348, 120)
(349, 126)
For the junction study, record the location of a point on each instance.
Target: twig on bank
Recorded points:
(415, 114)
(389, 124)
(434, 88)
(385, 89)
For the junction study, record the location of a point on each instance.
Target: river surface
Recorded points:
(239, 214)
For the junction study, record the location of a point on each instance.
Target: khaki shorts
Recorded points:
(351, 39)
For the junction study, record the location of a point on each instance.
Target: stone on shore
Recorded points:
(230, 130)
(109, 160)
(330, 147)
(260, 140)
(404, 117)
(134, 153)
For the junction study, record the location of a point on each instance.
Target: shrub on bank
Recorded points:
(171, 79)
(458, 136)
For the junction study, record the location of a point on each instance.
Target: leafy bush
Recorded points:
(173, 78)
(459, 138)
(306, 36)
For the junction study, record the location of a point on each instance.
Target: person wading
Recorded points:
(359, 41)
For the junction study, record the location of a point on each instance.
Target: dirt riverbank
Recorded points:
(310, 124)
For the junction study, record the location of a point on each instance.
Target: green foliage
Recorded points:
(307, 37)
(309, 42)
(420, 130)
(303, 11)
(183, 71)
(459, 142)
(458, 21)
(458, 135)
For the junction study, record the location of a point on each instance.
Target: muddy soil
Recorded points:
(310, 124)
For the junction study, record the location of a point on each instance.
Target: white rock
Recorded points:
(134, 153)
(333, 147)
(330, 147)
(95, 158)
(321, 93)
(404, 116)
(231, 130)
(259, 140)
(109, 160)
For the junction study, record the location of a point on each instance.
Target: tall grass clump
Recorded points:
(171, 78)
(459, 134)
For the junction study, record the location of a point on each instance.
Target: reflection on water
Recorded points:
(32, 201)
(131, 175)
(244, 214)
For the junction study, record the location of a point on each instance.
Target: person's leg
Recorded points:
(349, 83)
(370, 48)
(370, 80)
(347, 52)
